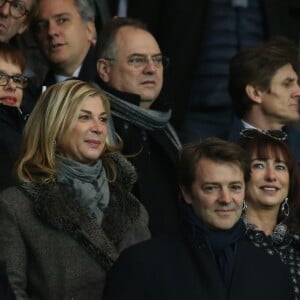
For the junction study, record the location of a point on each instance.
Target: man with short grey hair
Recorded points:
(130, 66)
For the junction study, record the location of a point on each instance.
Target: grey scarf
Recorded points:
(148, 119)
(89, 184)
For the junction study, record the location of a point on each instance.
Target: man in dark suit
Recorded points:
(66, 33)
(263, 85)
(130, 66)
(210, 259)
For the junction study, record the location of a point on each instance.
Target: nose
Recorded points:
(11, 86)
(225, 196)
(97, 126)
(52, 29)
(4, 9)
(270, 174)
(296, 93)
(150, 67)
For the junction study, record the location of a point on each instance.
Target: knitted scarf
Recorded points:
(223, 242)
(88, 182)
(147, 119)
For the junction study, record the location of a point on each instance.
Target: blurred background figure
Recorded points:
(12, 120)
(264, 88)
(272, 197)
(64, 225)
(210, 33)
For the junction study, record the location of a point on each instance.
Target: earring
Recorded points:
(285, 209)
(244, 206)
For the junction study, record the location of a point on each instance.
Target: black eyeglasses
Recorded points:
(17, 9)
(141, 61)
(250, 133)
(19, 80)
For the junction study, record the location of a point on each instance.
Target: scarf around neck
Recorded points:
(88, 182)
(148, 119)
(223, 242)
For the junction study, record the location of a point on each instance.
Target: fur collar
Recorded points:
(55, 205)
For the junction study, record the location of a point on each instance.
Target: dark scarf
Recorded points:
(88, 182)
(222, 242)
(148, 119)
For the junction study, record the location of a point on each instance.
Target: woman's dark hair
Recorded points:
(265, 147)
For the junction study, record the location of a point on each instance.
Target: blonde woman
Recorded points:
(64, 226)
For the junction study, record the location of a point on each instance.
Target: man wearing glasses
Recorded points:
(130, 65)
(265, 93)
(15, 16)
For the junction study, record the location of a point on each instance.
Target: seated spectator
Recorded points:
(64, 225)
(130, 66)
(272, 193)
(65, 31)
(263, 84)
(210, 258)
(15, 16)
(12, 120)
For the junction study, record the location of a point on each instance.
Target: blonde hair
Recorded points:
(51, 120)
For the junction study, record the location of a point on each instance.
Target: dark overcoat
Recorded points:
(172, 268)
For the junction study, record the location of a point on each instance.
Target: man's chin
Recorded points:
(146, 103)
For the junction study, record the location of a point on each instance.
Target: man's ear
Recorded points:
(253, 93)
(186, 195)
(103, 69)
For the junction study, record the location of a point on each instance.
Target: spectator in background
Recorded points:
(65, 31)
(263, 85)
(210, 259)
(12, 120)
(15, 17)
(201, 37)
(130, 66)
(64, 225)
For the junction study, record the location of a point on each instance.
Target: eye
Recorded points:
(288, 83)
(136, 60)
(237, 188)
(257, 165)
(18, 6)
(210, 188)
(18, 79)
(2, 76)
(157, 59)
(84, 117)
(61, 20)
(281, 167)
(103, 119)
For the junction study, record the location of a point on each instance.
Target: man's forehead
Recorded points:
(55, 8)
(217, 171)
(285, 72)
(132, 39)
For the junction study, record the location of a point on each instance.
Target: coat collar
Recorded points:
(55, 205)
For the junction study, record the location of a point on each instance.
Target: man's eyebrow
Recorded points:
(64, 14)
(144, 55)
